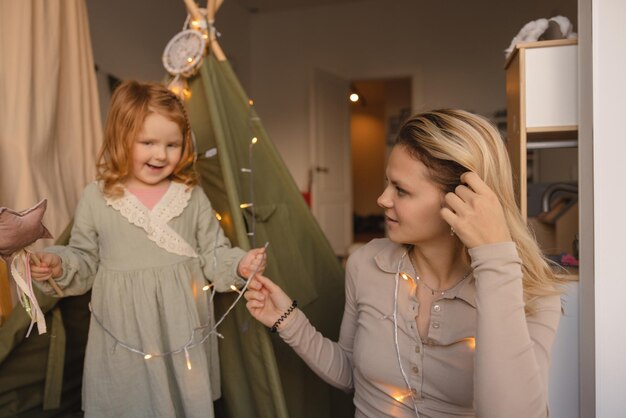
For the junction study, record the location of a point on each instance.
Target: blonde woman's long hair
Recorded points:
(450, 142)
(131, 103)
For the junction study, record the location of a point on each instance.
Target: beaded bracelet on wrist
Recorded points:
(284, 316)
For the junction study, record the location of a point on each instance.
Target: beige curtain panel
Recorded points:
(50, 128)
(50, 132)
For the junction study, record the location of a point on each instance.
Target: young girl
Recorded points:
(456, 312)
(145, 240)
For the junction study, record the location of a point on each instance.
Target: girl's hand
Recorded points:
(266, 301)
(253, 259)
(45, 265)
(475, 213)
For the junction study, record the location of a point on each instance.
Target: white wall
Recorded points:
(453, 50)
(609, 150)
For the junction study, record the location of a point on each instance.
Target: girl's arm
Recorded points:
(512, 350)
(218, 259)
(80, 258)
(332, 361)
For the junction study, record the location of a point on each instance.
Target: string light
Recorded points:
(471, 343)
(187, 359)
(206, 287)
(399, 274)
(252, 119)
(234, 288)
(180, 87)
(212, 330)
(245, 205)
(402, 396)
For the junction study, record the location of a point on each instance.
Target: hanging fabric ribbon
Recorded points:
(20, 270)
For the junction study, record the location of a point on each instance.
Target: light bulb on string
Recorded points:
(245, 205)
(254, 140)
(147, 356)
(187, 359)
(234, 288)
(180, 87)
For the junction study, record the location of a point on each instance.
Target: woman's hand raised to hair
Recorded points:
(266, 301)
(475, 213)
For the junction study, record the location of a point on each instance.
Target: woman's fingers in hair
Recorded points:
(475, 213)
(454, 203)
(474, 181)
(464, 192)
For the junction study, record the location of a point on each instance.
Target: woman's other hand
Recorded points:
(475, 213)
(267, 301)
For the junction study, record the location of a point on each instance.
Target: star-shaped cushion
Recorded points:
(20, 229)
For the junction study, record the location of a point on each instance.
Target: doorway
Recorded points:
(375, 118)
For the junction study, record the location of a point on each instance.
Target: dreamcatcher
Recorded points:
(183, 54)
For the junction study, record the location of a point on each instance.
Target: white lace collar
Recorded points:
(154, 221)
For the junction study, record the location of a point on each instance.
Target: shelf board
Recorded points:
(535, 145)
(552, 133)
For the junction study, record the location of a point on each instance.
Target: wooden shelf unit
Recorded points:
(542, 102)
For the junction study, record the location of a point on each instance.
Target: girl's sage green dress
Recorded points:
(147, 269)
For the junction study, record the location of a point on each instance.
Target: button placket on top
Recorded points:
(436, 320)
(415, 367)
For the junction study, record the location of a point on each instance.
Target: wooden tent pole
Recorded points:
(193, 9)
(211, 8)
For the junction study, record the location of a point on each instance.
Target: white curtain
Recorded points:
(50, 127)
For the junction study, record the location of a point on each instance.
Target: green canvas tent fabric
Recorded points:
(261, 375)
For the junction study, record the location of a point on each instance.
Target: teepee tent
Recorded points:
(261, 375)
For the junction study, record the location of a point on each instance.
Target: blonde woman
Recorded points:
(456, 312)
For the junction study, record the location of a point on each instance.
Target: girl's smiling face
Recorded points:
(155, 152)
(412, 201)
